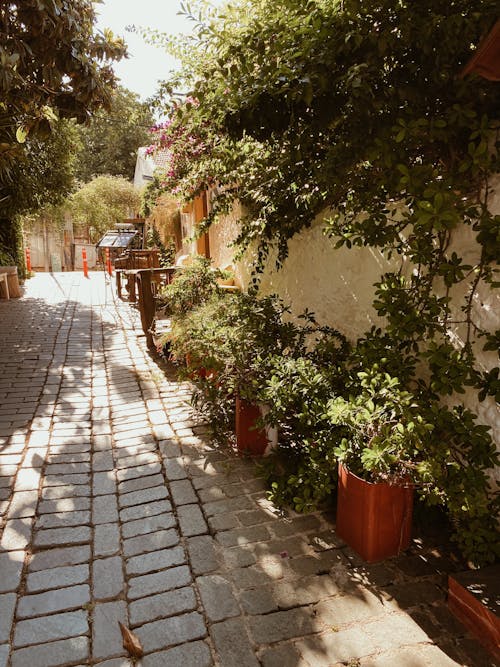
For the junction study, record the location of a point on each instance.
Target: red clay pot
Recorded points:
(473, 599)
(200, 371)
(374, 519)
(249, 439)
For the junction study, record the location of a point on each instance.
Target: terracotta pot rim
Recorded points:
(406, 485)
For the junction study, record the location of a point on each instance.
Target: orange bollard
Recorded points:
(108, 262)
(85, 265)
(28, 260)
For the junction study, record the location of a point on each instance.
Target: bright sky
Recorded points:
(146, 64)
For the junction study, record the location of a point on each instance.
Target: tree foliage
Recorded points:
(52, 65)
(102, 203)
(111, 138)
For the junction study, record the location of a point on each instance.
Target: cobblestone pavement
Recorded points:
(115, 508)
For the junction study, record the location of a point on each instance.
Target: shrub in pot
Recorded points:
(236, 335)
(302, 470)
(380, 435)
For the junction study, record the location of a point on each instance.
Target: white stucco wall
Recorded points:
(337, 285)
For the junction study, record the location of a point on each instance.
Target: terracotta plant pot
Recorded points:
(199, 371)
(473, 599)
(374, 519)
(249, 439)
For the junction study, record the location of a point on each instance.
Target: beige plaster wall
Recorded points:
(337, 285)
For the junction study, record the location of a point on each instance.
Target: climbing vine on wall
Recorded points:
(357, 111)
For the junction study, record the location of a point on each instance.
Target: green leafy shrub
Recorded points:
(191, 286)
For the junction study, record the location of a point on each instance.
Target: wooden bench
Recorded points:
(148, 282)
(5, 282)
(9, 282)
(127, 265)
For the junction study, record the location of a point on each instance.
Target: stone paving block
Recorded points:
(102, 461)
(155, 560)
(387, 631)
(239, 536)
(50, 628)
(63, 505)
(282, 625)
(106, 635)
(413, 593)
(223, 522)
(192, 654)
(101, 442)
(143, 496)
(163, 432)
(54, 537)
(170, 631)
(52, 558)
(308, 590)
(107, 578)
(150, 542)
(348, 609)
(336, 647)
(106, 539)
(69, 447)
(77, 457)
(232, 644)
(125, 436)
(10, 459)
(63, 519)
(217, 597)
(52, 654)
(281, 656)
(61, 599)
(57, 577)
(104, 509)
(125, 451)
(67, 491)
(138, 459)
(65, 480)
(169, 448)
(183, 492)
(143, 511)
(67, 468)
(191, 520)
(116, 662)
(202, 554)
(148, 525)
(16, 534)
(28, 479)
(320, 563)
(4, 654)
(158, 582)
(139, 471)
(301, 524)
(103, 483)
(6, 481)
(162, 605)
(11, 567)
(7, 606)
(225, 506)
(238, 557)
(174, 469)
(140, 483)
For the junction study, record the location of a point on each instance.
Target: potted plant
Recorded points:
(380, 437)
(235, 335)
(302, 470)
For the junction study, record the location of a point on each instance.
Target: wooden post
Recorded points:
(146, 303)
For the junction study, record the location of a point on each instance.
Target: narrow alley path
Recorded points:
(114, 507)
